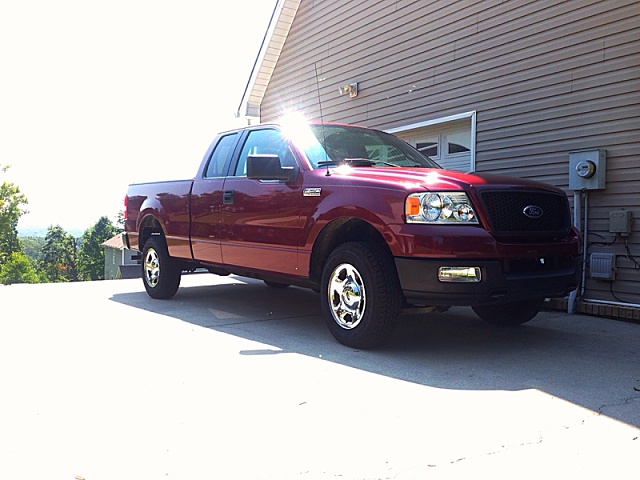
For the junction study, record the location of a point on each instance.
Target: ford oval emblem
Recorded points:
(533, 211)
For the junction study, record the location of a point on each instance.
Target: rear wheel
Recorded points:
(160, 273)
(361, 295)
(509, 314)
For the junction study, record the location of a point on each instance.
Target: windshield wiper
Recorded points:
(355, 162)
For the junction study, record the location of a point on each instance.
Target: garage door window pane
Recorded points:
(429, 147)
(459, 142)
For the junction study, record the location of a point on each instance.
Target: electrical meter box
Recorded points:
(587, 169)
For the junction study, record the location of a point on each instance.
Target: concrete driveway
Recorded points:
(234, 380)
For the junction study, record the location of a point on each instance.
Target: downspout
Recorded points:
(584, 242)
(577, 203)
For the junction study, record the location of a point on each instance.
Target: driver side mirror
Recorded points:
(268, 167)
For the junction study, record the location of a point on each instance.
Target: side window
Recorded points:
(267, 141)
(221, 156)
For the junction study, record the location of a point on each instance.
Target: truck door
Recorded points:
(206, 201)
(261, 226)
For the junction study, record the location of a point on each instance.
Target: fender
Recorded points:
(375, 208)
(148, 223)
(345, 198)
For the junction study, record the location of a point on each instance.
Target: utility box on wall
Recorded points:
(603, 266)
(587, 170)
(620, 222)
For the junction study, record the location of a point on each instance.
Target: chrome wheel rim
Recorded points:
(151, 268)
(347, 296)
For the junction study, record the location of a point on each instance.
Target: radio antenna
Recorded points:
(324, 135)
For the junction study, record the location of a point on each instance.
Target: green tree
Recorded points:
(120, 221)
(32, 247)
(59, 255)
(91, 254)
(18, 269)
(12, 203)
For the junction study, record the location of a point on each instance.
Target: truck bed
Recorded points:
(168, 202)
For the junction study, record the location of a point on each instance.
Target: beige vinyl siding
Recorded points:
(545, 78)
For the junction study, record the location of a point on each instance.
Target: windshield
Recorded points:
(338, 144)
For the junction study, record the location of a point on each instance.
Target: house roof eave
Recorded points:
(264, 65)
(114, 242)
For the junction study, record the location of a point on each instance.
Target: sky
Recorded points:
(97, 95)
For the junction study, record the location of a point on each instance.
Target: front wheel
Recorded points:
(361, 295)
(509, 314)
(160, 273)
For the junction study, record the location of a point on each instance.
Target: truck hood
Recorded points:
(437, 179)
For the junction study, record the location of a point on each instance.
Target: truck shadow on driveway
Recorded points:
(588, 361)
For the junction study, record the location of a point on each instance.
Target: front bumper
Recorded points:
(502, 280)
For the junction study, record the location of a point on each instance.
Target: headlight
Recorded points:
(439, 207)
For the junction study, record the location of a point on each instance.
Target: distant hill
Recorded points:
(42, 231)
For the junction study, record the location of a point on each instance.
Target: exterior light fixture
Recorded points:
(350, 88)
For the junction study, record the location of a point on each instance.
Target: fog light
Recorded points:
(459, 274)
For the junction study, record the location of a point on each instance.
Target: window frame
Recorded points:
(243, 142)
(229, 158)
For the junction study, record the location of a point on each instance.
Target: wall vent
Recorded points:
(603, 266)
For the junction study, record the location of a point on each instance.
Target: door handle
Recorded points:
(227, 197)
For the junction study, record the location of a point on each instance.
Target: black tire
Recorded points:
(160, 273)
(271, 284)
(509, 314)
(361, 295)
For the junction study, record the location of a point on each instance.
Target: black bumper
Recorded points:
(501, 280)
(125, 240)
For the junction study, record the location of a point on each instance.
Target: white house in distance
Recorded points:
(528, 89)
(118, 260)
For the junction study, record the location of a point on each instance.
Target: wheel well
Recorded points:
(149, 226)
(342, 230)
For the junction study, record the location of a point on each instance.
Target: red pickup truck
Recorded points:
(361, 217)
